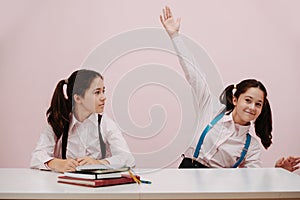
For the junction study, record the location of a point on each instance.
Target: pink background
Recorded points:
(42, 42)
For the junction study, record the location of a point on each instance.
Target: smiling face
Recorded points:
(92, 101)
(248, 106)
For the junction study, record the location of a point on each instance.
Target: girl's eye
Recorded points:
(258, 105)
(248, 100)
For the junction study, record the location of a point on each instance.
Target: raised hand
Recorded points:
(168, 22)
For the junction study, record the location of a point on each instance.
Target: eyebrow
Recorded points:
(99, 88)
(252, 98)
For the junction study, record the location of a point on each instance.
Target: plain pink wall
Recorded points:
(42, 42)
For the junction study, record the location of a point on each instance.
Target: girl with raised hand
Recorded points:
(226, 125)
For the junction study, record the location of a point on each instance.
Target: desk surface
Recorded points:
(259, 183)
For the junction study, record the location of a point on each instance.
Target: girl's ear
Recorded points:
(77, 98)
(234, 100)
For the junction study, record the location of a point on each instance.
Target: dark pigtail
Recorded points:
(59, 110)
(263, 125)
(226, 98)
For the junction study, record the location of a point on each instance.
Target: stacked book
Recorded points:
(98, 176)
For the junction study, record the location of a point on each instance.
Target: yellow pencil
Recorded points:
(134, 177)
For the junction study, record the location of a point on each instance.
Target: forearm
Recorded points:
(193, 72)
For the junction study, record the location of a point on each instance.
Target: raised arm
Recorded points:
(191, 69)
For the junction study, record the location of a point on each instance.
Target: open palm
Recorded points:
(167, 20)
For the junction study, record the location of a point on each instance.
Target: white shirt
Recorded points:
(83, 140)
(224, 143)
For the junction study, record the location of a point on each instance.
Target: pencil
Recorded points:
(134, 177)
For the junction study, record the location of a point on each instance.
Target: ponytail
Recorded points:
(226, 98)
(59, 110)
(263, 123)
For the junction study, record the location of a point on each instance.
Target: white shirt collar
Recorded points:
(93, 118)
(241, 128)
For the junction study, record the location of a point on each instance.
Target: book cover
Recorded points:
(125, 179)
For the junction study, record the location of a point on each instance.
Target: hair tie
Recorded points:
(65, 88)
(234, 89)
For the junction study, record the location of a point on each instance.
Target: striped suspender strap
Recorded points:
(102, 143)
(244, 152)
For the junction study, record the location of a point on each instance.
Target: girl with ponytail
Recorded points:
(78, 132)
(226, 125)
(263, 121)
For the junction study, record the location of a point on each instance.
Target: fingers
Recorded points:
(280, 161)
(71, 165)
(293, 160)
(297, 161)
(166, 14)
(296, 168)
(161, 20)
(103, 162)
(86, 160)
(169, 13)
(82, 161)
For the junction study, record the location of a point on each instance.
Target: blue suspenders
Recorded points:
(208, 127)
(245, 149)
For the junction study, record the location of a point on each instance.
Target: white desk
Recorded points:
(271, 183)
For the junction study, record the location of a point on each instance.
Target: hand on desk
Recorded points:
(290, 163)
(63, 165)
(89, 161)
(69, 165)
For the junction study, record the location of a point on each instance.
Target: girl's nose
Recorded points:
(252, 106)
(103, 97)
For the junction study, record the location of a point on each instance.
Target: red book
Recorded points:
(96, 183)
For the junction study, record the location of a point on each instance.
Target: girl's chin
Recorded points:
(248, 119)
(99, 110)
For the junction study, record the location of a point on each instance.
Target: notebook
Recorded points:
(98, 168)
(94, 174)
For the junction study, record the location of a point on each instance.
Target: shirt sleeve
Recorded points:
(193, 74)
(120, 153)
(44, 150)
